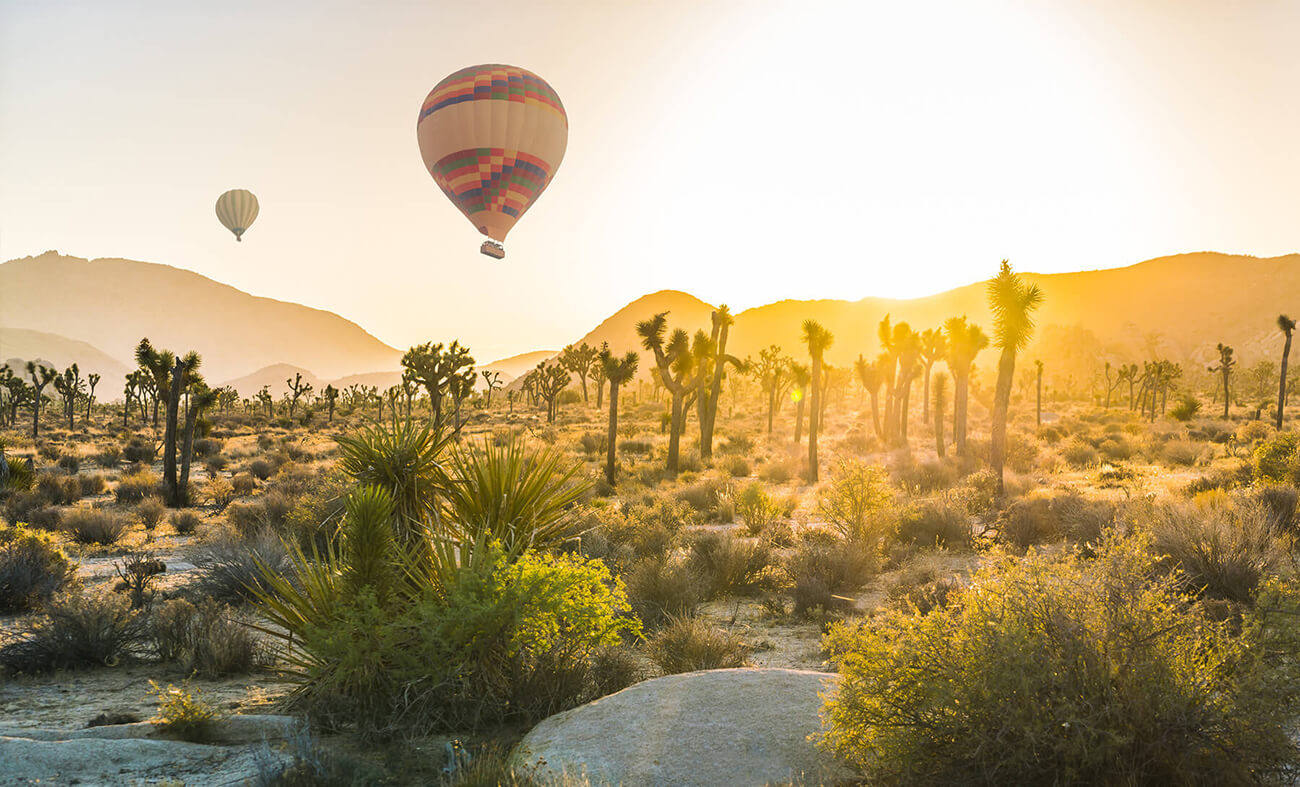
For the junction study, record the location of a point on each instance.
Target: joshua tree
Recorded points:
(906, 344)
(1111, 385)
(201, 397)
(331, 395)
(69, 385)
(157, 365)
(1013, 303)
(16, 391)
(676, 367)
(42, 376)
(819, 340)
(617, 371)
(799, 377)
(964, 340)
(183, 372)
(266, 400)
(870, 378)
(598, 375)
(297, 389)
(940, 401)
(887, 363)
(1038, 366)
(722, 322)
(933, 348)
(1224, 369)
(461, 388)
(432, 367)
(579, 360)
(1286, 325)
(773, 374)
(93, 380)
(550, 381)
(492, 380)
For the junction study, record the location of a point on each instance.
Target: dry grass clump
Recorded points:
(1222, 549)
(134, 487)
(94, 526)
(688, 644)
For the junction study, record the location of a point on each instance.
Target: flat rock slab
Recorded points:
(133, 754)
(716, 728)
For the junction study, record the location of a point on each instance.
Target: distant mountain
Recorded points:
(619, 329)
(1178, 307)
(112, 303)
(516, 365)
(20, 344)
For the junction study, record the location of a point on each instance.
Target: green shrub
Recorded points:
(32, 569)
(756, 508)
(1272, 459)
(137, 486)
(659, 588)
(21, 477)
(77, 631)
(779, 471)
(138, 450)
(57, 489)
(1280, 502)
(94, 526)
(726, 565)
(942, 523)
(821, 569)
(185, 522)
(1046, 517)
(858, 501)
(495, 641)
(736, 466)
(1186, 409)
(1052, 669)
(1220, 549)
(1079, 454)
(184, 713)
(150, 512)
(209, 640)
(231, 569)
(688, 644)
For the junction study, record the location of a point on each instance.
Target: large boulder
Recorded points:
(737, 727)
(236, 752)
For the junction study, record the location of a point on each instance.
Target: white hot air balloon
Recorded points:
(237, 210)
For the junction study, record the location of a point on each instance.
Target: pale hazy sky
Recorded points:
(743, 151)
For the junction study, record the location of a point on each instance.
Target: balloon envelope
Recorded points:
(237, 209)
(492, 137)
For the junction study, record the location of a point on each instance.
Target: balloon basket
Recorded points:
(493, 249)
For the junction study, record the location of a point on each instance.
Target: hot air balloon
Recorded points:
(492, 137)
(237, 209)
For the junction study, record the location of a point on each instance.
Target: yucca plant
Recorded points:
(517, 497)
(403, 460)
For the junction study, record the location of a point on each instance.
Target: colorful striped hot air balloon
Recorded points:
(237, 209)
(492, 137)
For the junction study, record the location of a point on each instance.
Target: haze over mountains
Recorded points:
(63, 309)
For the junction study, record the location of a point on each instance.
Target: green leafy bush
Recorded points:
(1092, 671)
(184, 712)
(1186, 409)
(32, 569)
(1273, 459)
(756, 508)
(858, 501)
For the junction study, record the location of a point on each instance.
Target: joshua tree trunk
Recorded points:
(798, 422)
(613, 431)
(901, 401)
(939, 447)
(961, 385)
(1227, 393)
(1001, 402)
(813, 417)
(187, 452)
(675, 434)
(1038, 414)
(169, 437)
(1281, 390)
